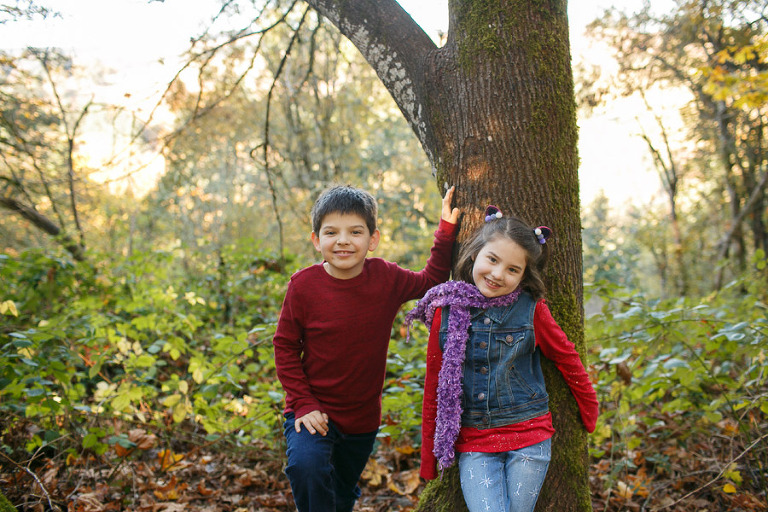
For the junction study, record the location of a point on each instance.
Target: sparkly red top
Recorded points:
(555, 346)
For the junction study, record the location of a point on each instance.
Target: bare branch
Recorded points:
(44, 223)
(395, 47)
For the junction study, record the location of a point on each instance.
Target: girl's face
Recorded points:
(499, 267)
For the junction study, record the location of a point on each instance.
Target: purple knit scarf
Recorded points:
(460, 296)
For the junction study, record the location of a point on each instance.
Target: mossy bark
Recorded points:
(504, 118)
(5, 505)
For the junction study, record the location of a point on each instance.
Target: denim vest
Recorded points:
(502, 380)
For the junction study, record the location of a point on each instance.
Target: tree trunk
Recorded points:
(494, 110)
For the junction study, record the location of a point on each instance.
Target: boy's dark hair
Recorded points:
(345, 199)
(519, 232)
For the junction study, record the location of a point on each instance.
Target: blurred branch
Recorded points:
(44, 223)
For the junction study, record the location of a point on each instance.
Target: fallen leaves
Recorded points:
(662, 474)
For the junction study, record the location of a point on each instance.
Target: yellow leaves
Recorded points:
(193, 299)
(171, 490)
(409, 480)
(8, 308)
(179, 408)
(404, 483)
(729, 427)
(179, 402)
(733, 474)
(623, 490)
(169, 460)
(375, 473)
(738, 77)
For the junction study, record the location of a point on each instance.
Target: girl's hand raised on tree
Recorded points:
(449, 214)
(314, 422)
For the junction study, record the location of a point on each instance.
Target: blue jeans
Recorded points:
(504, 481)
(324, 470)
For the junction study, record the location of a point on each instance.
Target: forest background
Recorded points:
(147, 241)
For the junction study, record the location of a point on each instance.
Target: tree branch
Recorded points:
(395, 47)
(44, 223)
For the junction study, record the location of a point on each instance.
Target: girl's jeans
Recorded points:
(504, 481)
(324, 470)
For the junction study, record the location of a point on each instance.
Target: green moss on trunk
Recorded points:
(5, 505)
(443, 494)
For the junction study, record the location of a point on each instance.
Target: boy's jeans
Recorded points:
(324, 470)
(501, 481)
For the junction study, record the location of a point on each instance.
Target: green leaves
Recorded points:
(145, 346)
(681, 367)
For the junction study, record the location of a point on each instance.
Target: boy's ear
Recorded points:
(374, 242)
(316, 241)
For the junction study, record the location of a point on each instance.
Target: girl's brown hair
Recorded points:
(519, 232)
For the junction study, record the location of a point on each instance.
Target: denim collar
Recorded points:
(497, 315)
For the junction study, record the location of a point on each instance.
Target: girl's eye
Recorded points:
(491, 259)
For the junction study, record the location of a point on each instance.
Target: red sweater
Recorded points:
(333, 334)
(555, 346)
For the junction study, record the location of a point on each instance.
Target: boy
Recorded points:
(331, 344)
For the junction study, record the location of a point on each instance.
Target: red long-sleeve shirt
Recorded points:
(333, 334)
(555, 346)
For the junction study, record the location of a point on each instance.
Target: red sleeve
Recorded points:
(414, 285)
(288, 343)
(556, 346)
(429, 406)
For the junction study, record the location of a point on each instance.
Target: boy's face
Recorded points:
(344, 242)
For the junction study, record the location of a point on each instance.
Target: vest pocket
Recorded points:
(512, 386)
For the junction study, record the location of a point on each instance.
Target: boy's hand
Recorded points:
(314, 422)
(449, 215)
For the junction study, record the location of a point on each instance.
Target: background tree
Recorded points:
(714, 50)
(38, 135)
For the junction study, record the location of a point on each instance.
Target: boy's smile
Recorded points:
(344, 242)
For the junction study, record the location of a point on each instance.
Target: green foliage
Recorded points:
(610, 249)
(404, 386)
(714, 211)
(680, 369)
(87, 357)
(142, 344)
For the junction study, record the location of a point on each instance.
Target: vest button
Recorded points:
(484, 370)
(481, 396)
(483, 344)
(486, 321)
(509, 338)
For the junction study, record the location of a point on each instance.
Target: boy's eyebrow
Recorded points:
(331, 226)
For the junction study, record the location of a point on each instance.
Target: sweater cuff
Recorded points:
(448, 228)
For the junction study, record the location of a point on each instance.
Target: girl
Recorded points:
(484, 393)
